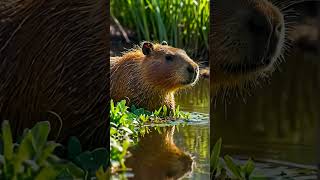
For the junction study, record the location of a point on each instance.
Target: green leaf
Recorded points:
(102, 175)
(111, 105)
(25, 150)
(233, 167)
(66, 167)
(215, 155)
(40, 134)
(47, 173)
(7, 140)
(86, 161)
(46, 152)
(101, 157)
(248, 168)
(157, 112)
(74, 147)
(164, 110)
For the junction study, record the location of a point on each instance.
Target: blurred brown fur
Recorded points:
(53, 67)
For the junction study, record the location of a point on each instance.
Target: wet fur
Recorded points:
(148, 81)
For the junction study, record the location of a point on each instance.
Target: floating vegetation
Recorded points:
(127, 124)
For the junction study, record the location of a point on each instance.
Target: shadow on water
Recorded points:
(172, 151)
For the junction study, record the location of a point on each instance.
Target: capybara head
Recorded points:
(148, 76)
(248, 39)
(166, 68)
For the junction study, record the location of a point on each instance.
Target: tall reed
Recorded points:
(183, 24)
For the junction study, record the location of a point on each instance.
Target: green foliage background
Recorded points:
(183, 24)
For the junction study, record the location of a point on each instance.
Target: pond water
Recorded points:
(276, 125)
(195, 137)
(276, 131)
(177, 149)
(278, 121)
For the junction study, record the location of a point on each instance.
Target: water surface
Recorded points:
(177, 149)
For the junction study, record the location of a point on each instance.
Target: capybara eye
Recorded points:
(169, 58)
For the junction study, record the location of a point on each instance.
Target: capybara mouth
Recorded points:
(193, 78)
(245, 68)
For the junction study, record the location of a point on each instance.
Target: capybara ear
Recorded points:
(147, 48)
(164, 43)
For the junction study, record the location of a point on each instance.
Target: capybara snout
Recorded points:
(249, 35)
(193, 71)
(248, 41)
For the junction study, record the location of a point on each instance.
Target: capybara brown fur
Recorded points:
(53, 67)
(248, 40)
(157, 157)
(149, 76)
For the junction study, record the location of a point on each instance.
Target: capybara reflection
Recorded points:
(157, 157)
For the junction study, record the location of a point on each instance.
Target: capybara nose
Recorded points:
(193, 73)
(266, 33)
(258, 24)
(191, 69)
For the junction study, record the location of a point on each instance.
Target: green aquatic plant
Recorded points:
(219, 166)
(32, 157)
(127, 124)
(89, 161)
(215, 156)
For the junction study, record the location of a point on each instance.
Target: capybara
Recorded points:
(247, 42)
(149, 76)
(53, 66)
(157, 157)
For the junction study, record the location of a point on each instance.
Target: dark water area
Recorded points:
(280, 120)
(276, 125)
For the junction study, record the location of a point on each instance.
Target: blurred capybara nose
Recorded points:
(258, 24)
(266, 32)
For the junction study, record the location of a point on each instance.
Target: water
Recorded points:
(279, 121)
(167, 150)
(276, 126)
(195, 137)
(177, 149)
